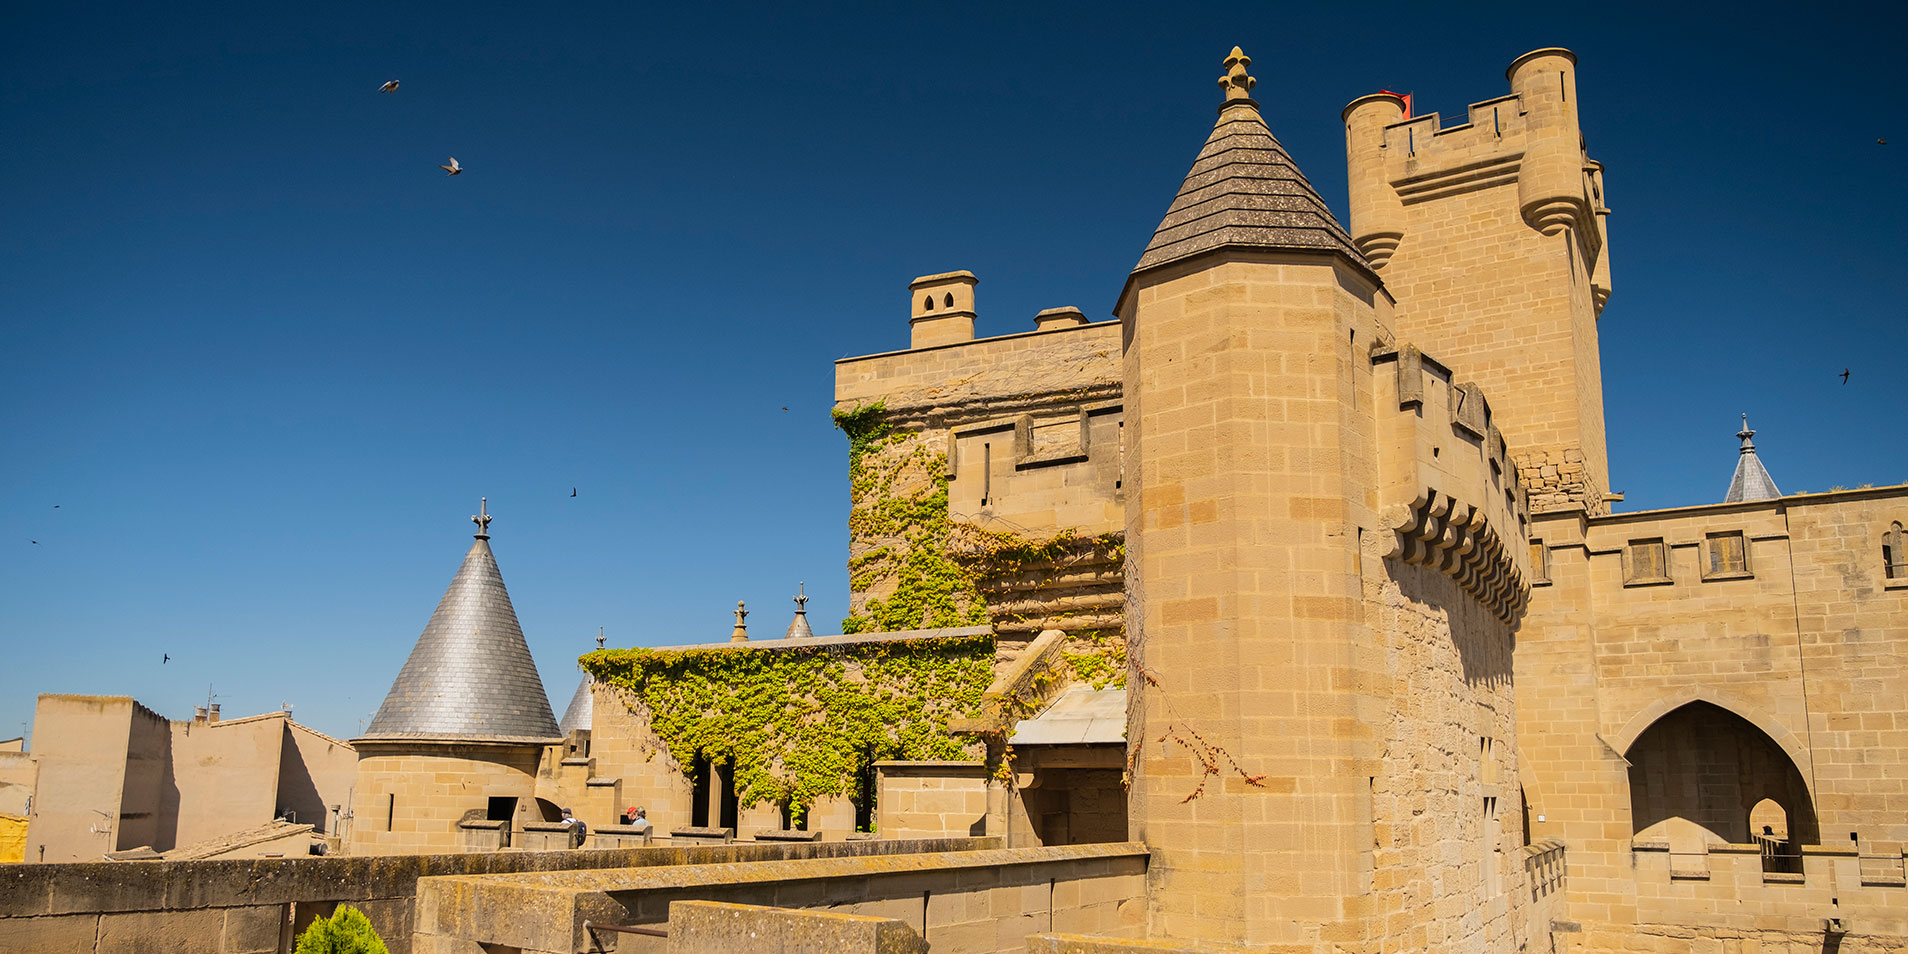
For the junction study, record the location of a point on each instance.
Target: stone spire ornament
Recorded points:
(741, 633)
(799, 626)
(482, 518)
(599, 637)
(1236, 83)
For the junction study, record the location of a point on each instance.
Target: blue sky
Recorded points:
(264, 356)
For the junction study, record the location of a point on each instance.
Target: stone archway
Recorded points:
(1708, 766)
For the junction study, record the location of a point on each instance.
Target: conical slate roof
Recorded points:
(1752, 480)
(1244, 190)
(582, 710)
(470, 676)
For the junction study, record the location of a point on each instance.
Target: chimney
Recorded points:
(1064, 317)
(212, 713)
(942, 309)
(198, 715)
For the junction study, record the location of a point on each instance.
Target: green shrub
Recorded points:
(347, 931)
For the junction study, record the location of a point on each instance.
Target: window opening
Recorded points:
(1728, 553)
(1648, 562)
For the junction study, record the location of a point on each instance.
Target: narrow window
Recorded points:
(1895, 553)
(1539, 562)
(1120, 479)
(390, 812)
(949, 302)
(927, 303)
(987, 473)
(1648, 562)
(1728, 554)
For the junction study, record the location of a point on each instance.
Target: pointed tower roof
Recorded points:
(581, 713)
(470, 676)
(1245, 190)
(798, 627)
(1752, 480)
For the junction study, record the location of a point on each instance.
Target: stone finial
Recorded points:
(741, 633)
(1748, 446)
(1236, 83)
(599, 637)
(482, 518)
(798, 627)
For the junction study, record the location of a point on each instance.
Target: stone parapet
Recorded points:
(973, 902)
(1449, 491)
(239, 907)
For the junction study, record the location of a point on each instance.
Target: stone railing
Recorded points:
(1725, 885)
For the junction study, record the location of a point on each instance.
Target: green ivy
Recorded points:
(898, 495)
(802, 723)
(1097, 658)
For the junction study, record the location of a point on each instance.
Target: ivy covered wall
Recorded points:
(803, 722)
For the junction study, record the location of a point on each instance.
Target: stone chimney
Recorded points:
(1066, 316)
(212, 713)
(942, 309)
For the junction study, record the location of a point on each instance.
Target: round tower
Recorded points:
(1377, 213)
(462, 732)
(1550, 183)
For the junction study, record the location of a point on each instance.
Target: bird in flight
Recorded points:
(572, 491)
(164, 658)
(57, 506)
(784, 407)
(1844, 375)
(34, 542)
(1881, 142)
(390, 86)
(453, 168)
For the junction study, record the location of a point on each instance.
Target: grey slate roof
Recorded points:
(1752, 480)
(582, 710)
(470, 676)
(1245, 190)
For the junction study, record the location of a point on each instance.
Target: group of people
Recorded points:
(636, 817)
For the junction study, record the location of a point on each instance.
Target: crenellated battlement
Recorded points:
(1450, 492)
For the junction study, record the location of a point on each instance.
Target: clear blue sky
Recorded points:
(264, 356)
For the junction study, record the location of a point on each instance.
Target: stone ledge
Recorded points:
(651, 878)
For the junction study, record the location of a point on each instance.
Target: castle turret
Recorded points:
(1248, 323)
(1377, 214)
(1490, 233)
(1550, 183)
(468, 705)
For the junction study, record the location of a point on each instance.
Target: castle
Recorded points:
(1286, 610)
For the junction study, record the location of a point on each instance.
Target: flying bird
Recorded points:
(1881, 142)
(572, 491)
(1844, 375)
(784, 407)
(390, 86)
(34, 542)
(453, 168)
(164, 658)
(57, 506)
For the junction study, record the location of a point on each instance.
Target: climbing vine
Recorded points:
(803, 723)
(898, 496)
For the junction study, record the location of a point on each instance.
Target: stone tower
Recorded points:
(464, 726)
(1323, 534)
(1491, 235)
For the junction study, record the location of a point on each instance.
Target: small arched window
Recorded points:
(1895, 553)
(927, 303)
(949, 303)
